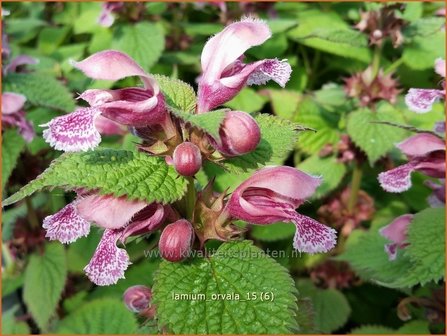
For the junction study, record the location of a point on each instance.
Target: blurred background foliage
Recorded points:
(44, 288)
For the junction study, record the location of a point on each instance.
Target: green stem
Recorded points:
(31, 214)
(355, 187)
(393, 66)
(190, 198)
(376, 61)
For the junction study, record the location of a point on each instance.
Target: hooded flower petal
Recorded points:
(421, 144)
(109, 262)
(398, 179)
(19, 61)
(224, 74)
(73, 132)
(227, 46)
(12, 102)
(147, 220)
(107, 211)
(422, 100)
(271, 195)
(132, 106)
(66, 225)
(311, 236)
(396, 232)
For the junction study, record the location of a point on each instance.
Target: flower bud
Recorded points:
(239, 134)
(176, 240)
(137, 298)
(187, 159)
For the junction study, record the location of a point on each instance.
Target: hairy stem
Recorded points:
(355, 187)
(190, 198)
(376, 61)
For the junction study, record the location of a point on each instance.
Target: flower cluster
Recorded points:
(270, 195)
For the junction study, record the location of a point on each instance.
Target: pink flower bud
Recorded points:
(137, 298)
(239, 134)
(176, 240)
(187, 159)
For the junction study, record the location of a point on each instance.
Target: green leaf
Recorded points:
(177, 93)
(12, 146)
(278, 137)
(143, 41)
(106, 316)
(341, 36)
(10, 326)
(118, 172)
(284, 102)
(372, 330)
(40, 90)
(208, 122)
(426, 249)
(325, 123)
(424, 27)
(86, 21)
(375, 139)
(311, 21)
(44, 281)
(237, 268)
(331, 171)
(416, 327)
(247, 100)
(422, 52)
(273, 232)
(50, 38)
(331, 308)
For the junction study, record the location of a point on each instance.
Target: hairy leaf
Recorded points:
(40, 90)
(143, 41)
(44, 281)
(177, 93)
(237, 268)
(106, 316)
(118, 172)
(12, 146)
(375, 139)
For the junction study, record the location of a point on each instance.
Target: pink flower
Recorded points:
(137, 298)
(13, 114)
(422, 100)
(272, 194)
(106, 19)
(396, 232)
(120, 217)
(131, 106)
(437, 198)
(426, 154)
(224, 73)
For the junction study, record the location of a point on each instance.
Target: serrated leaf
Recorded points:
(143, 41)
(12, 146)
(331, 171)
(366, 255)
(117, 172)
(40, 90)
(273, 232)
(426, 249)
(44, 281)
(311, 21)
(325, 123)
(278, 137)
(417, 327)
(424, 27)
(341, 36)
(208, 122)
(375, 139)
(177, 93)
(106, 316)
(236, 268)
(327, 319)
